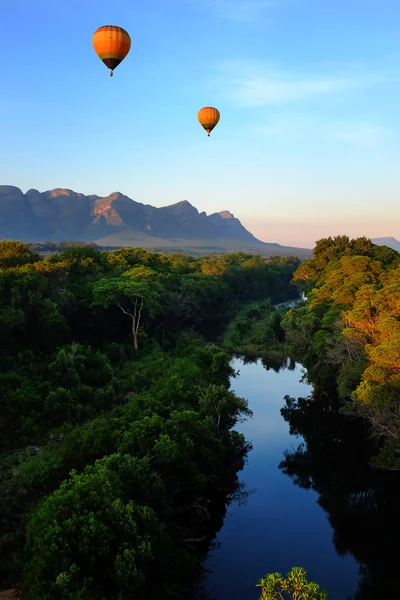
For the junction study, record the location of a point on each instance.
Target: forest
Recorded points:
(347, 335)
(118, 456)
(349, 330)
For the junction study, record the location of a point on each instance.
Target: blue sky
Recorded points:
(308, 90)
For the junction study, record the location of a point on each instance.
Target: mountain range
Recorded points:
(391, 242)
(116, 220)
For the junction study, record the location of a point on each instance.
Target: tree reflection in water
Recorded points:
(268, 364)
(362, 504)
(238, 494)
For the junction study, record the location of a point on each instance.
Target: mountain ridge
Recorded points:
(117, 220)
(389, 241)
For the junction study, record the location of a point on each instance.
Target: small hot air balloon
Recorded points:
(112, 45)
(208, 118)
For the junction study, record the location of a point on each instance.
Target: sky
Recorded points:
(308, 143)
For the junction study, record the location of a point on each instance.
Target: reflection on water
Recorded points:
(320, 506)
(362, 504)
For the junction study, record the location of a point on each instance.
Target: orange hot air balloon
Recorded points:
(112, 45)
(208, 118)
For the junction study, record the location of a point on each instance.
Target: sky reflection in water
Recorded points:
(281, 525)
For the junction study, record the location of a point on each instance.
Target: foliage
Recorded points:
(256, 331)
(350, 330)
(295, 587)
(114, 463)
(121, 544)
(140, 296)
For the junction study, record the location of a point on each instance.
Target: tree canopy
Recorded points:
(118, 448)
(350, 328)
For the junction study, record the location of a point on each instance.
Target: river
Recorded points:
(282, 525)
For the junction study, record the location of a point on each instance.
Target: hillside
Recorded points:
(390, 242)
(116, 220)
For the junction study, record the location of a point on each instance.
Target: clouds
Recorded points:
(314, 104)
(252, 84)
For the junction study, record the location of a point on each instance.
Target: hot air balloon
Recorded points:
(112, 45)
(208, 118)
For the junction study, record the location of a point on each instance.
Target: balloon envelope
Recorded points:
(208, 117)
(111, 44)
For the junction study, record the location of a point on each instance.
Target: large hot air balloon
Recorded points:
(208, 118)
(111, 44)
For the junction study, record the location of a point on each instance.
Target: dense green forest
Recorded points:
(118, 457)
(256, 332)
(350, 330)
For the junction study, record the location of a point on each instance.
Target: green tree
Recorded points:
(96, 537)
(133, 298)
(349, 331)
(294, 587)
(16, 254)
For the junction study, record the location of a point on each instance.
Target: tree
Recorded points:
(71, 393)
(96, 537)
(133, 298)
(16, 254)
(294, 587)
(350, 330)
(306, 275)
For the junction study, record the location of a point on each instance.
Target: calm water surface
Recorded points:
(281, 525)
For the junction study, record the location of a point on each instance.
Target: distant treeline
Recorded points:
(48, 247)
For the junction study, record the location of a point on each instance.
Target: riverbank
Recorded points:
(348, 337)
(256, 331)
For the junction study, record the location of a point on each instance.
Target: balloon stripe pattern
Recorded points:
(208, 117)
(111, 44)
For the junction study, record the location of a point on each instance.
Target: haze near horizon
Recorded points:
(308, 138)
